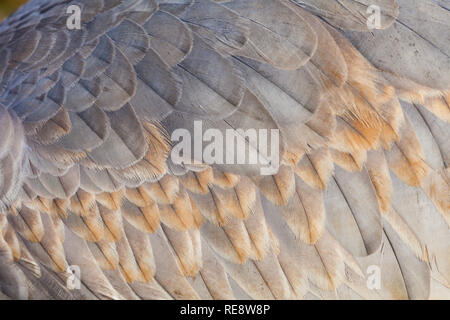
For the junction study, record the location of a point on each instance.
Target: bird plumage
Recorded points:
(86, 177)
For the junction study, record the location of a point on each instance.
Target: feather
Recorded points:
(185, 250)
(223, 244)
(139, 197)
(83, 95)
(103, 180)
(55, 128)
(151, 291)
(224, 179)
(366, 213)
(216, 97)
(278, 188)
(168, 273)
(81, 202)
(105, 253)
(422, 23)
(88, 225)
(155, 100)
(179, 214)
(11, 239)
(237, 202)
(89, 129)
(197, 182)
(72, 71)
(99, 59)
(414, 207)
(276, 34)
(316, 168)
(91, 275)
(62, 187)
(259, 233)
(164, 191)
(50, 250)
(305, 213)
(28, 262)
(86, 171)
(113, 225)
(169, 37)
(378, 171)
(12, 279)
(153, 166)
(112, 201)
(214, 275)
(351, 14)
(127, 146)
(29, 224)
(404, 232)
(144, 218)
(220, 28)
(127, 262)
(131, 39)
(119, 283)
(406, 158)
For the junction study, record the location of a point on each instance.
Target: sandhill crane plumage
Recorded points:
(87, 117)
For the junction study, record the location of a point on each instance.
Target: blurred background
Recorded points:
(9, 6)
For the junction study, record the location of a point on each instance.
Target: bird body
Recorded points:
(91, 193)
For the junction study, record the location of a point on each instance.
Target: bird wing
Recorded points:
(87, 179)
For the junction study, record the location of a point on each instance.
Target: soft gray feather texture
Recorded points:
(86, 177)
